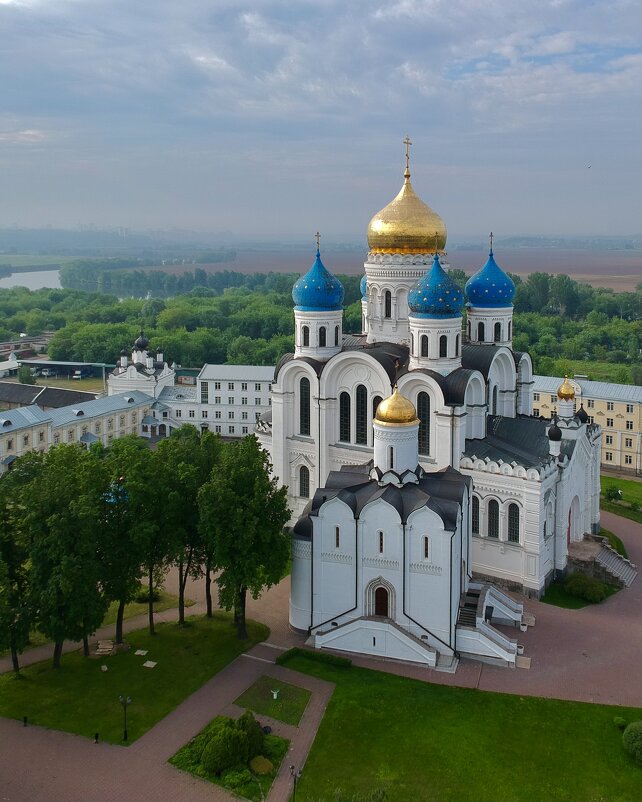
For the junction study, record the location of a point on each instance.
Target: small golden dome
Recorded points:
(565, 391)
(406, 225)
(397, 410)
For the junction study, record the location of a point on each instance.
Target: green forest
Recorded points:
(566, 326)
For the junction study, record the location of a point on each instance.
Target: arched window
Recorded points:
(475, 515)
(387, 304)
(443, 346)
(494, 406)
(493, 518)
(498, 332)
(304, 482)
(361, 427)
(510, 328)
(322, 337)
(424, 345)
(304, 406)
(423, 413)
(380, 542)
(480, 332)
(336, 335)
(457, 342)
(513, 523)
(375, 403)
(426, 548)
(306, 335)
(344, 418)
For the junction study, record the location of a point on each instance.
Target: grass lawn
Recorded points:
(80, 698)
(289, 706)
(423, 742)
(631, 492)
(89, 385)
(246, 785)
(555, 594)
(614, 542)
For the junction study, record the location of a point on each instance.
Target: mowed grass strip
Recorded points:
(288, 707)
(81, 698)
(421, 743)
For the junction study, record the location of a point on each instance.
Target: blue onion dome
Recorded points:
(435, 295)
(490, 286)
(318, 290)
(363, 286)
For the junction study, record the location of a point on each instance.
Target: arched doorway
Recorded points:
(574, 529)
(382, 602)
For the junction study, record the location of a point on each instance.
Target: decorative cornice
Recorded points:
(380, 562)
(301, 549)
(425, 568)
(336, 557)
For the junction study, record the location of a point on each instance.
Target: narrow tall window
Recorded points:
(375, 403)
(475, 515)
(424, 345)
(387, 303)
(306, 335)
(493, 518)
(412, 343)
(361, 428)
(510, 328)
(322, 337)
(457, 343)
(380, 542)
(480, 332)
(498, 332)
(336, 335)
(391, 458)
(494, 409)
(426, 548)
(337, 537)
(344, 418)
(423, 413)
(304, 406)
(443, 346)
(513, 523)
(204, 393)
(469, 329)
(304, 482)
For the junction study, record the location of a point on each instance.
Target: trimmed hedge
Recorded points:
(319, 657)
(586, 587)
(632, 740)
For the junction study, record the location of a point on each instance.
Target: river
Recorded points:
(33, 281)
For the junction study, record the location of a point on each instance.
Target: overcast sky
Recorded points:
(273, 119)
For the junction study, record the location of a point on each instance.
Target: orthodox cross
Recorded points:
(407, 143)
(491, 241)
(318, 236)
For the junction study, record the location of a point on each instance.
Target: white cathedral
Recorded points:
(420, 482)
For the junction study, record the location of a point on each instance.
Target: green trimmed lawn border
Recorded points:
(288, 707)
(621, 510)
(614, 542)
(557, 595)
(631, 492)
(188, 759)
(80, 698)
(421, 742)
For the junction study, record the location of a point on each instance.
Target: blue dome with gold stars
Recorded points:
(435, 295)
(490, 286)
(318, 290)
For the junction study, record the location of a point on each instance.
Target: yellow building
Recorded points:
(617, 408)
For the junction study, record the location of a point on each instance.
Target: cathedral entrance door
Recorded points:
(381, 602)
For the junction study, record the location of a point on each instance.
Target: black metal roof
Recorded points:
(16, 393)
(441, 492)
(56, 397)
(478, 357)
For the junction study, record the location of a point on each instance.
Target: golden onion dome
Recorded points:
(397, 410)
(565, 391)
(407, 224)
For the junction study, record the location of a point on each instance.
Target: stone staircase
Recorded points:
(622, 570)
(468, 608)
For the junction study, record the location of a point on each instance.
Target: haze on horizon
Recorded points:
(270, 120)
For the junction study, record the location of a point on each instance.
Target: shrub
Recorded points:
(261, 765)
(611, 493)
(586, 587)
(252, 729)
(142, 595)
(225, 749)
(632, 740)
(319, 657)
(273, 747)
(619, 722)
(235, 780)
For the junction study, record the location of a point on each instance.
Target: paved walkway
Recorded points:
(593, 655)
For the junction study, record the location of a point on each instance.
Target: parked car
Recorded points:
(49, 373)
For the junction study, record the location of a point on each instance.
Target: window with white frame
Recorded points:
(590, 403)
(628, 442)
(257, 387)
(629, 425)
(244, 430)
(628, 459)
(609, 421)
(191, 413)
(217, 414)
(629, 408)
(609, 440)
(609, 456)
(257, 402)
(304, 482)
(609, 406)
(535, 396)
(230, 385)
(493, 518)
(230, 399)
(513, 523)
(178, 413)
(244, 386)
(475, 516)
(230, 429)
(217, 385)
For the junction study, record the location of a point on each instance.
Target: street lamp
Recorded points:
(125, 701)
(296, 775)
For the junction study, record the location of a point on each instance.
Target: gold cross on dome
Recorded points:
(318, 236)
(491, 240)
(436, 238)
(407, 143)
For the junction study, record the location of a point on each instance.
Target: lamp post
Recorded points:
(125, 701)
(296, 775)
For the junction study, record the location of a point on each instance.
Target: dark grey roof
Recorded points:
(16, 393)
(56, 397)
(441, 492)
(522, 440)
(478, 357)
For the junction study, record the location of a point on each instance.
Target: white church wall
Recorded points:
(300, 577)
(501, 375)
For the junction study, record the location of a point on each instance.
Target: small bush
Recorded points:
(273, 747)
(235, 780)
(586, 587)
(611, 493)
(319, 657)
(225, 749)
(142, 595)
(261, 765)
(252, 729)
(619, 722)
(632, 740)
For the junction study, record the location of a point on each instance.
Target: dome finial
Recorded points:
(407, 143)
(318, 236)
(436, 242)
(491, 242)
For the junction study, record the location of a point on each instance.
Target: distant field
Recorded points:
(27, 259)
(621, 270)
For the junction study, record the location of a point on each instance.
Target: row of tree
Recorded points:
(81, 529)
